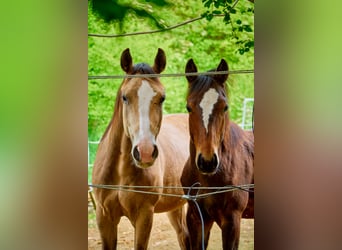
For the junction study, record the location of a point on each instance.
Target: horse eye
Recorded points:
(225, 108)
(124, 98)
(188, 108)
(162, 99)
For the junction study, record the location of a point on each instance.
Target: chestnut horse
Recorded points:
(140, 148)
(221, 154)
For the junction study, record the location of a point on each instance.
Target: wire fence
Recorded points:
(230, 72)
(247, 114)
(188, 196)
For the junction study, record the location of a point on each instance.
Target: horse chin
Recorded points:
(143, 165)
(208, 173)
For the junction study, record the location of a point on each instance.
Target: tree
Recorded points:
(114, 10)
(234, 14)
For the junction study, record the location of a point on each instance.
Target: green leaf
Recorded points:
(226, 18)
(217, 4)
(204, 14)
(249, 44)
(217, 12)
(238, 21)
(247, 28)
(207, 4)
(209, 16)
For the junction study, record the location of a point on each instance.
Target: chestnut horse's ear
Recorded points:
(223, 66)
(191, 68)
(126, 61)
(159, 62)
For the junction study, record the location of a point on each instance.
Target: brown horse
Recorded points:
(221, 154)
(139, 148)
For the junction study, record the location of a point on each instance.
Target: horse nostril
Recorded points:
(155, 152)
(214, 160)
(136, 154)
(200, 161)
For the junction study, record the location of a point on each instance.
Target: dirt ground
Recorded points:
(163, 235)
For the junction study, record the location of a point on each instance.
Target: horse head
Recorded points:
(207, 107)
(142, 99)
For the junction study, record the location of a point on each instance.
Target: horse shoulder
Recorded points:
(106, 162)
(239, 151)
(100, 160)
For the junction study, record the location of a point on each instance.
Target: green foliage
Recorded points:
(117, 11)
(238, 15)
(206, 42)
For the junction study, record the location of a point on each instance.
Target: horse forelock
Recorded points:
(142, 68)
(203, 83)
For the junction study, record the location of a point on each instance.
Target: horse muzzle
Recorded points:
(144, 154)
(207, 166)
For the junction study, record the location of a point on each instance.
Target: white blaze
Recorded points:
(207, 104)
(145, 95)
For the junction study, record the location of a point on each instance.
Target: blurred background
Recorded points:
(44, 119)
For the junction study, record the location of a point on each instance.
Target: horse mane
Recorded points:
(139, 68)
(116, 110)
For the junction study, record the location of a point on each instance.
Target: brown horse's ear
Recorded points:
(191, 68)
(223, 66)
(126, 61)
(159, 62)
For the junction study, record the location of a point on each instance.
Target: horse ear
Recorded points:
(191, 68)
(126, 61)
(159, 61)
(223, 66)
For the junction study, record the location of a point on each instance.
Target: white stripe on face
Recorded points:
(145, 95)
(207, 104)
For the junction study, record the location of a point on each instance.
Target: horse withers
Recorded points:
(221, 154)
(140, 147)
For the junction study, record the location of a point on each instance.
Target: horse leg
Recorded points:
(143, 226)
(107, 225)
(208, 224)
(194, 225)
(231, 232)
(178, 221)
